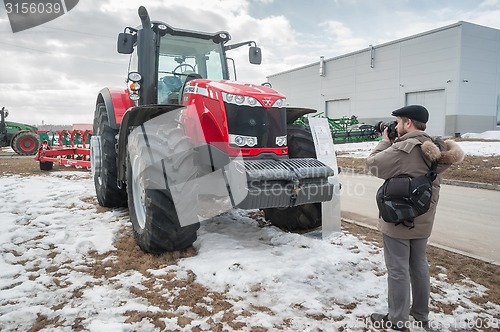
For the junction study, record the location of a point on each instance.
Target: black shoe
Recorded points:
(421, 323)
(381, 321)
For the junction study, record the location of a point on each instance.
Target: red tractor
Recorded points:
(182, 136)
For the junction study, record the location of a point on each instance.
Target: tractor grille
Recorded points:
(263, 170)
(264, 123)
(288, 169)
(308, 168)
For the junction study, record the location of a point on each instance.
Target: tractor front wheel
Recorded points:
(26, 143)
(162, 197)
(302, 217)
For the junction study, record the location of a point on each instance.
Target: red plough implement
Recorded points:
(73, 149)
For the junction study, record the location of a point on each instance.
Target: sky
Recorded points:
(268, 277)
(52, 73)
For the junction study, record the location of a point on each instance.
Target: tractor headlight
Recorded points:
(251, 141)
(280, 103)
(134, 76)
(240, 140)
(281, 140)
(240, 100)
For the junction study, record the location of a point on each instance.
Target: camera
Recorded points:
(391, 131)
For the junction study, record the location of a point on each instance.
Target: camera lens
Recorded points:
(391, 131)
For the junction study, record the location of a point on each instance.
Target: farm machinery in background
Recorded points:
(64, 147)
(22, 138)
(345, 129)
(182, 138)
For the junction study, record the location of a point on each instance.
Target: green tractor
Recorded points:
(22, 138)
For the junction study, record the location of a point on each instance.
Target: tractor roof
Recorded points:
(217, 37)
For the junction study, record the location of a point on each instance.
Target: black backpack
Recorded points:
(402, 198)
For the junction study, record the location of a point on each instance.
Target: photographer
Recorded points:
(407, 149)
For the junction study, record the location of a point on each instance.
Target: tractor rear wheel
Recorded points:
(162, 202)
(25, 143)
(302, 217)
(103, 160)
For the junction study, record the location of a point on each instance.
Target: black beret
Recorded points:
(414, 112)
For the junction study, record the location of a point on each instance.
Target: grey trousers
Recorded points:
(407, 268)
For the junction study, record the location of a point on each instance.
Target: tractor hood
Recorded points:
(244, 89)
(20, 126)
(265, 95)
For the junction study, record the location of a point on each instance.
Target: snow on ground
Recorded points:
(491, 134)
(51, 224)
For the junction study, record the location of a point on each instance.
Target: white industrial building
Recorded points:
(454, 71)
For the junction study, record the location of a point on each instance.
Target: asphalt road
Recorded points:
(467, 219)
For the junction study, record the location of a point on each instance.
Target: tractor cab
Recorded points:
(3, 128)
(163, 59)
(182, 59)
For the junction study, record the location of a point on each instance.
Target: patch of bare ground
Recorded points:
(168, 292)
(476, 169)
(27, 166)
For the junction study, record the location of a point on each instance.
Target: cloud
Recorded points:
(265, 2)
(343, 37)
(488, 4)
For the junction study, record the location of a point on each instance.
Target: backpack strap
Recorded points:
(432, 173)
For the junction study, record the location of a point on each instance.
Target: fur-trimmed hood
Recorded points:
(445, 152)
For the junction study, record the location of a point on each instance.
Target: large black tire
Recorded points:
(26, 143)
(105, 179)
(302, 217)
(152, 185)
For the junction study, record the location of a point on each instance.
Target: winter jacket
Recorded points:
(412, 154)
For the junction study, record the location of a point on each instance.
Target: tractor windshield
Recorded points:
(180, 56)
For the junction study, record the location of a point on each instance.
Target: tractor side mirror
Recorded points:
(125, 44)
(255, 55)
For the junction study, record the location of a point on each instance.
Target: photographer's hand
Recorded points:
(386, 136)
